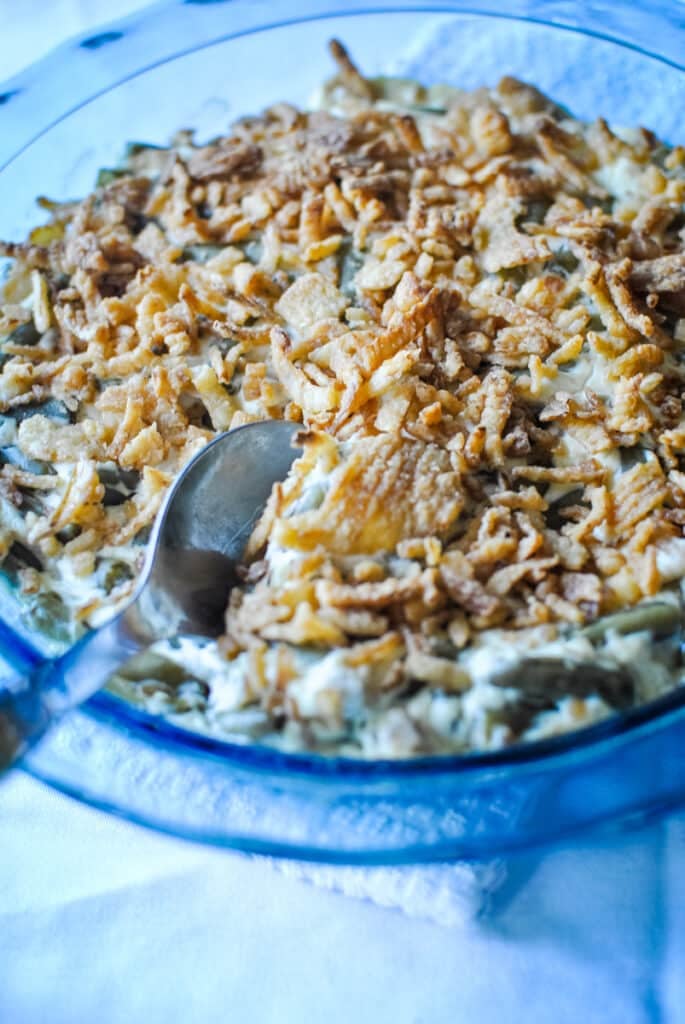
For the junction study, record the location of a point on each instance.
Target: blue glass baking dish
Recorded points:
(200, 64)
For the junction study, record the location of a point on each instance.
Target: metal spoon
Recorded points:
(198, 538)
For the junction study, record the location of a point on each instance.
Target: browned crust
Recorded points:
(416, 287)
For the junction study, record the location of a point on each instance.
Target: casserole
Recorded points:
(408, 789)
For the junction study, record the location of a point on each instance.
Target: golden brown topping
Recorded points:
(476, 323)
(223, 160)
(384, 491)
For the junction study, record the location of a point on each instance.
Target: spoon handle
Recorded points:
(24, 716)
(30, 703)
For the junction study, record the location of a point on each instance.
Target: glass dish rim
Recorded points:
(619, 726)
(158, 8)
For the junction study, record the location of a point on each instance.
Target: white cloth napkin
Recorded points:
(102, 921)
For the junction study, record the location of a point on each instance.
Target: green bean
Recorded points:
(253, 249)
(659, 617)
(136, 148)
(110, 473)
(54, 409)
(25, 334)
(70, 532)
(552, 678)
(48, 614)
(563, 262)
(536, 210)
(119, 483)
(421, 108)
(114, 574)
(349, 262)
(200, 253)
(15, 457)
(106, 175)
(516, 275)
(20, 557)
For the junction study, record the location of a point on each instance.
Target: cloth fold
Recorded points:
(448, 894)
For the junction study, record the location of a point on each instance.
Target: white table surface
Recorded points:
(104, 922)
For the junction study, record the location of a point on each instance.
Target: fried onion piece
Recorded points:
(504, 245)
(383, 490)
(617, 276)
(662, 274)
(637, 493)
